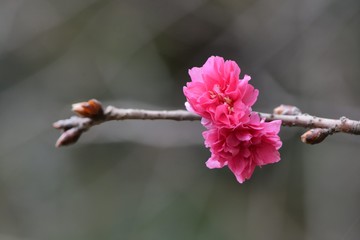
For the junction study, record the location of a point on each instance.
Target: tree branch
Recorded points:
(91, 114)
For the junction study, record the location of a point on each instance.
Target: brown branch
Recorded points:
(308, 121)
(91, 114)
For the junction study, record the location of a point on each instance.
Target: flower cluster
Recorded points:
(236, 136)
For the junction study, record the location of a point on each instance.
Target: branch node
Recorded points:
(287, 110)
(343, 119)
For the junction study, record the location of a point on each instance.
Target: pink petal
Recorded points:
(246, 78)
(242, 169)
(212, 163)
(188, 107)
(250, 95)
(196, 74)
(273, 126)
(266, 153)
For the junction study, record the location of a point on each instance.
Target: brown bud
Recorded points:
(68, 137)
(287, 110)
(315, 136)
(90, 109)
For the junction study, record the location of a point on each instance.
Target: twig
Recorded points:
(91, 114)
(308, 121)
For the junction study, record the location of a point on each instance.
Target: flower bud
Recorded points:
(287, 110)
(90, 109)
(315, 136)
(68, 137)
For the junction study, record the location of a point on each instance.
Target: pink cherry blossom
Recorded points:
(236, 136)
(218, 95)
(242, 148)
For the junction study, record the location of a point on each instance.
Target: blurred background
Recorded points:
(147, 179)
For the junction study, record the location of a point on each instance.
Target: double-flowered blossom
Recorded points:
(218, 95)
(242, 148)
(236, 136)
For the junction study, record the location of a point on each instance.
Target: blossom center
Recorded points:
(218, 93)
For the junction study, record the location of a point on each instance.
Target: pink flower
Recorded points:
(218, 95)
(244, 147)
(236, 136)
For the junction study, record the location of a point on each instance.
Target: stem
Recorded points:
(113, 113)
(302, 120)
(343, 124)
(75, 126)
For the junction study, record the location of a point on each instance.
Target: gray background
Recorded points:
(147, 180)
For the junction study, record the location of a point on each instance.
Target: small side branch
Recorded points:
(91, 114)
(308, 121)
